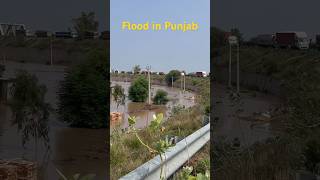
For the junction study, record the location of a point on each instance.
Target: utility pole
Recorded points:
(172, 81)
(230, 65)
(184, 83)
(238, 69)
(149, 84)
(51, 53)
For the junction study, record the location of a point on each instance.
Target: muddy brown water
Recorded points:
(230, 125)
(143, 114)
(73, 150)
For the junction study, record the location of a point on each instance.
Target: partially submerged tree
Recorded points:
(161, 97)
(138, 91)
(83, 96)
(29, 110)
(85, 23)
(172, 76)
(136, 69)
(118, 95)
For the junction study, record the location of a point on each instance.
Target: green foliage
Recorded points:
(118, 95)
(185, 174)
(173, 75)
(138, 91)
(83, 93)
(136, 69)
(29, 110)
(85, 23)
(161, 97)
(218, 38)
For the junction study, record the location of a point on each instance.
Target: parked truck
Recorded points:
(292, 40)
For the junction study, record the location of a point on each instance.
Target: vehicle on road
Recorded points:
(292, 40)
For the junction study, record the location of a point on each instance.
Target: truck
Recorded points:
(292, 39)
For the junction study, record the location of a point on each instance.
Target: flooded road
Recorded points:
(143, 114)
(242, 119)
(73, 150)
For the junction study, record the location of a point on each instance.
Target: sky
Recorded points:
(254, 17)
(51, 15)
(162, 50)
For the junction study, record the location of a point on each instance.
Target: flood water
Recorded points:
(143, 114)
(73, 150)
(231, 123)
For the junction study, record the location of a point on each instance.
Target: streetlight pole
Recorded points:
(238, 69)
(184, 83)
(172, 81)
(230, 65)
(149, 84)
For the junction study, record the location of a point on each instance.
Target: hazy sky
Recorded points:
(55, 15)
(163, 50)
(266, 16)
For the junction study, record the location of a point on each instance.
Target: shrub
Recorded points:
(83, 94)
(138, 91)
(161, 97)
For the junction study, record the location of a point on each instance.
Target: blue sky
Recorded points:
(163, 50)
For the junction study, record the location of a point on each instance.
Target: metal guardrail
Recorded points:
(175, 157)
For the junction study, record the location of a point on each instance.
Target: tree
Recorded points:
(136, 69)
(218, 38)
(2, 69)
(85, 23)
(83, 96)
(29, 110)
(172, 76)
(118, 95)
(236, 32)
(161, 97)
(138, 91)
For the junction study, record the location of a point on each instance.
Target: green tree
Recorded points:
(83, 96)
(218, 38)
(138, 91)
(136, 69)
(2, 69)
(161, 97)
(172, 76)
(118, 95)
(29, 110)
(236, 32)
(85, 23)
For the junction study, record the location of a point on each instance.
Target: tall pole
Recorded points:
(51, 54)
(238, 69)
(229, 82)
(184, 83)
(149, 84)
(172, 81)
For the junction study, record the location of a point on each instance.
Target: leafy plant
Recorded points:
(186, 174)
(138, 91)
(118, 95)
(85, 23)
(83, 93)
(29, 110)
(156, 127)
(161, 97)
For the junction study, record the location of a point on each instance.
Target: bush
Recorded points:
(138, 91)
(161, 97)
(83, 94)
(173, 75)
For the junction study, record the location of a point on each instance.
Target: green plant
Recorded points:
(2, 69)
(161, 97)
(118, 95)
(83, 95)
(29, 110)
(156, 127)
(138, 91)
(136, 69)
(186, 174)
